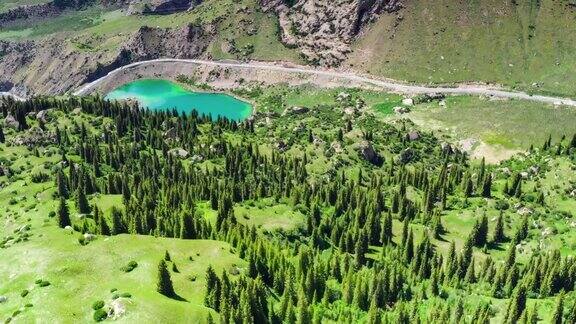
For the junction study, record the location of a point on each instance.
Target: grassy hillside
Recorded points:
(284, 203)
(34, 248)
(515, 43)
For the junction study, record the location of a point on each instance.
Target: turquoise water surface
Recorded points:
(156, 94)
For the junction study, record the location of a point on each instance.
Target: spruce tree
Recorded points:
(2, 137)
(62, 184)
(117, 223)
(517, 305)
(63, 214)
(187, 230)
(81, 201)
(164, 283)
(498, 236)
(487, 186)
(558, 316)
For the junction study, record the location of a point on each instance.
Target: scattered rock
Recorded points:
(524, 211)
(179, 152)
(350, 111)
(401, 110)
(447, 148)
(171, 134)
(295, 111)
(548, 231)
(342, 96)
(317, 141)
(11, 122)
(117, 308)
(44, 115)
(336, 146)
(196, 158)
(89, 237)
(406, 156)
(408, 102)
(413, 136)
(281, 146)
(3, 299)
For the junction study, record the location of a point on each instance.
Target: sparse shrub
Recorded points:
(40, 177)
(51, 214)
(24, 293)
(115, 296)
(42, 283)
(130, 266)
(113, 290)
(98, 305)
(100, 315)
(501, 205)
(126, 295)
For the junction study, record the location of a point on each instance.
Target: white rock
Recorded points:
(408, 102)
(89, 237)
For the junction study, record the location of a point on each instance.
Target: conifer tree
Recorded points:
(187, 226)
(62, 184)
(487, 186)
(117, 223)
(558, 316)
(517, 305)
(164, 282)
(511, 257)
(81, 201)
(2, 137)
(63, 214)
(498, 235)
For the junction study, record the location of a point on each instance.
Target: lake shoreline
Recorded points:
(167, 94)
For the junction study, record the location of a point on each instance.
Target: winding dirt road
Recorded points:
(384, 84)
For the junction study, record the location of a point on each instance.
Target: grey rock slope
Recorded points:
(324, 29)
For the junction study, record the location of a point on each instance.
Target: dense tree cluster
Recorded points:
(346, 264)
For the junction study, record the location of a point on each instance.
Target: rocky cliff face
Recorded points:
(152, 43)
(161, 7)
(324, 29)
(53, 67)
(189, 41)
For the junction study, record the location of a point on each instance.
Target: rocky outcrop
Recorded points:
(324, 29)
(47, 10)
(169, 6)
(150, 43)
(368, 153)
(54, 66)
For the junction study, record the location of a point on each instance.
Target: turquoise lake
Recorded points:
(156, 94)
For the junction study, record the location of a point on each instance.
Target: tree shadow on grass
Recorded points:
(178, 298)
(495, 246)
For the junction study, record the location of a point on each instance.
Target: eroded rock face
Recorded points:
(53, 66)
(161, 7)
(324, 29)
(150, 43)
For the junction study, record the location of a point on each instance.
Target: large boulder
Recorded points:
(368, 153)
(406, 156)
